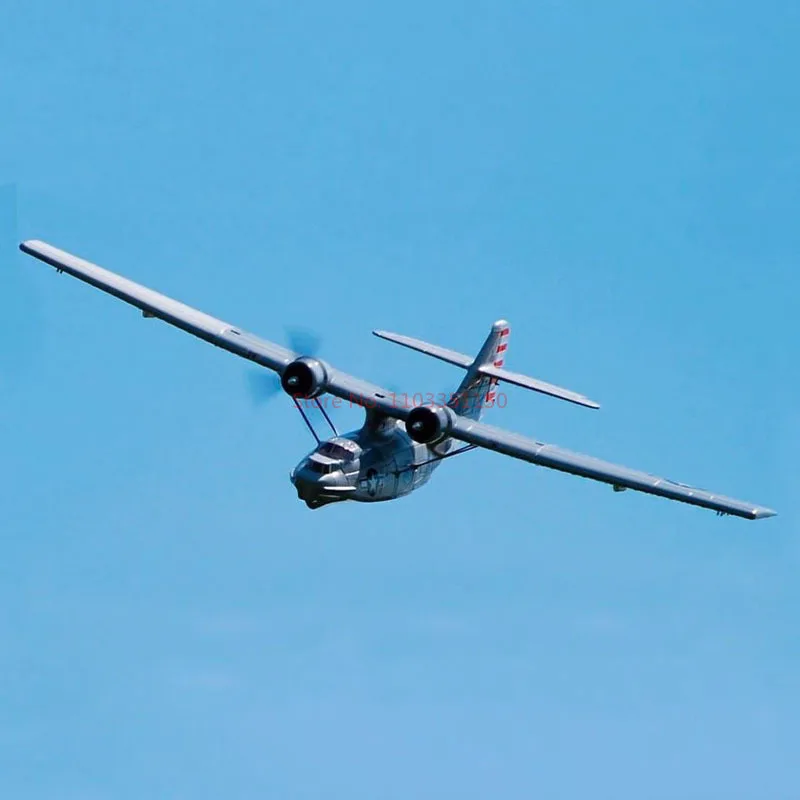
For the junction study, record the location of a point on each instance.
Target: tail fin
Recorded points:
(478, 391)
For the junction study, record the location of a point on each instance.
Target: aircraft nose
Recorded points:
(318, 490)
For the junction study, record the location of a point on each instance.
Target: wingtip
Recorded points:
(584, 401)
(764, 513)
(33, 246)
(580, 400)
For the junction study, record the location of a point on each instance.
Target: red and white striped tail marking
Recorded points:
(499, 360)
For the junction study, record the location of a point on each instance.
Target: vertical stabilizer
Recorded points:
(477, 391)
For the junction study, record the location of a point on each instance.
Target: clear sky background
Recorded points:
(620, 180)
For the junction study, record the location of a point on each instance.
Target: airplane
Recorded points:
(400, 444)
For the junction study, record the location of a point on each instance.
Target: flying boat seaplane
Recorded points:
(400, 444)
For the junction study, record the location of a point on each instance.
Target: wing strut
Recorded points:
(308, 421)
(327, 418)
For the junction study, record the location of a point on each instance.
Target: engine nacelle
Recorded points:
(304, 377)
(430, 424)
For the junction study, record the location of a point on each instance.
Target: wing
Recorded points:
(213, 330)
(547, 455)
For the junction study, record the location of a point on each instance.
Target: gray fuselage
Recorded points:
(367, 465)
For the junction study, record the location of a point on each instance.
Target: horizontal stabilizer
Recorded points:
(442, 353)
(538, 386)
(487, 369)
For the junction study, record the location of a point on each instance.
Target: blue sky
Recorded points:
(619, 180)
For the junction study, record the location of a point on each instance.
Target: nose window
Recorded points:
(323, 469)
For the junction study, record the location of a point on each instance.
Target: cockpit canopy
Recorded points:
(336, 451)
(333, 455)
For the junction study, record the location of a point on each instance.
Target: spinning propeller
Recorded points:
(264, 384)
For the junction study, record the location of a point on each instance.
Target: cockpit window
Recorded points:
(333, 450)
(323, 469)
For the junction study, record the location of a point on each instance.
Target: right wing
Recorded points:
(548, 455)
(213, 330)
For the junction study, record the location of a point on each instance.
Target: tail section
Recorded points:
(478, 391)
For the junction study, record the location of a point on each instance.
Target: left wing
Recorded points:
(548, 455)
(213, 330)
